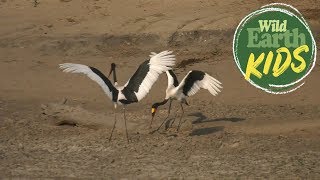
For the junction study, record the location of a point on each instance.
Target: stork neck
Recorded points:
(115, 76)
(161, 103)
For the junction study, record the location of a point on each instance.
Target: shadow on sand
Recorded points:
(200, 118)
(206, 131)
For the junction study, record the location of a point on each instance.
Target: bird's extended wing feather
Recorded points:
(146, 75)
(195, 80)
(94, 74)
(172, 79)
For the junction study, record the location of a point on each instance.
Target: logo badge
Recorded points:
(274, 48)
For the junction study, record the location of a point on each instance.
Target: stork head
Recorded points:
(153, 112)
(154, 109)
(113, 70)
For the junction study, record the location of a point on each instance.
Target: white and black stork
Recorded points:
(190, 85)
(137, 86)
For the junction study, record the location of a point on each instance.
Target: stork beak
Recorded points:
(153, 112)
(111, 69)
(150, 126)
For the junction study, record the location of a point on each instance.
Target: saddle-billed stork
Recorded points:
(190, 85)
(136, 88)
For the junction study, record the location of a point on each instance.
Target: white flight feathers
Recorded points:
(158, 63)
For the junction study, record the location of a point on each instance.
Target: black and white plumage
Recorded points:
(190, 85)
(136, 88)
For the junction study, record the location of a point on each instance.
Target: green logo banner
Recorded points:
(274, 48)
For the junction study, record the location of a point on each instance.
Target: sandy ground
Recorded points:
(242, 133)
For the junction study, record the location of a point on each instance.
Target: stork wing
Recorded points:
(146, 75)
(93, 74)
(172, 79)
(195, 80)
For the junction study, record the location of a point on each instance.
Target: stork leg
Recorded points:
(114, 124)
(174, 118)
(180, 117)
(125, 122)
(166, 117)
